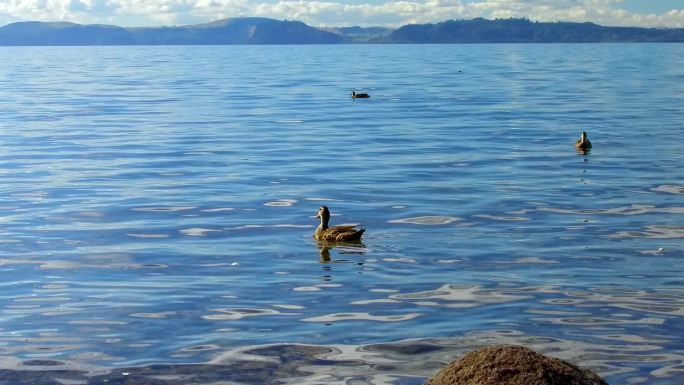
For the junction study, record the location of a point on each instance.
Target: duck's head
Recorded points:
(584, 135)
(323, 213)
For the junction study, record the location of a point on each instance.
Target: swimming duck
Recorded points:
(360, 95)
(583, 143)
(342, 233)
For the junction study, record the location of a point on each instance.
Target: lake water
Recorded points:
(157, 206)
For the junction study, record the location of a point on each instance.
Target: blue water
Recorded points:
(157, 206)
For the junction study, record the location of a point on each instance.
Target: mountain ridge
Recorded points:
(481, 30)
(260, 30)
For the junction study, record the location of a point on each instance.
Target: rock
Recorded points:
(512, 365)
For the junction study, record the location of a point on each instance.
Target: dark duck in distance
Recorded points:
(583, 144)
(341, 233)
(360, 95)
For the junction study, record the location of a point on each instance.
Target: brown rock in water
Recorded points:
(512, 365)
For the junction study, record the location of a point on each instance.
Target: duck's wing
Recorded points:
(350, 234)
(343, 228)
(343, 233)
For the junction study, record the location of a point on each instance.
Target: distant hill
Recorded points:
(249, 30)
(38, 33)
(254, 30)
(524, 31)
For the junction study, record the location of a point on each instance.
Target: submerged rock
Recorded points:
(512, 365)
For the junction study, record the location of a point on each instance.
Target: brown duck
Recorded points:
(583, 144)
(342, 233)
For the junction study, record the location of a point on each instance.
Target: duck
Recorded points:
(360, 95)
(583, 144)
(341, 233)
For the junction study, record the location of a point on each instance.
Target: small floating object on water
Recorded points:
(583, 144)
(341, 233)
(360, 95)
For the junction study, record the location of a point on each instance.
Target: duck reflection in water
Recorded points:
(351, 247)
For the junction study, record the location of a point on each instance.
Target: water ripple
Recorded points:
(361, 317)
(231, 314)
(461, 296)
(669, 188)
(426, 220)
(654, 232)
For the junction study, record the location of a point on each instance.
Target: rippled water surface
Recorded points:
(157, 206)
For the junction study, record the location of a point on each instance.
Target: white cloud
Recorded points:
(328, 12)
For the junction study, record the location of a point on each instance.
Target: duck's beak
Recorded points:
(318, 214)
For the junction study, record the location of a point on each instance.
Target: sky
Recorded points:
(321, 13)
